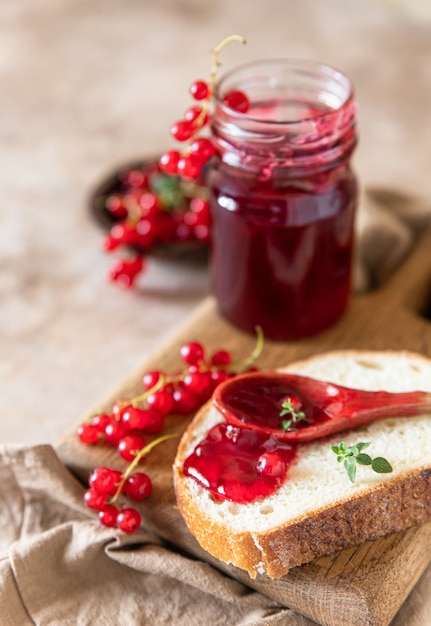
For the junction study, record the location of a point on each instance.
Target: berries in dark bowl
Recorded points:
(144, 212)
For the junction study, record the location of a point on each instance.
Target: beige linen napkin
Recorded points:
(387, 226)
(59, 566)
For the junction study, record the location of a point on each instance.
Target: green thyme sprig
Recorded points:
(351, 456)
(288, 408)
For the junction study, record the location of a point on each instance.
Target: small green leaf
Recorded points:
(286, 424)
(350, 466)
(364, 459)
(352, 455)
(381, 465)
(288, 408)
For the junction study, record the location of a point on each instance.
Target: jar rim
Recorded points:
(322, 70)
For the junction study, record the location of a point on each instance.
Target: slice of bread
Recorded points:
(317, 510)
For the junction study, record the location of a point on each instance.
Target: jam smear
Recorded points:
(255, 400)
(239, 464)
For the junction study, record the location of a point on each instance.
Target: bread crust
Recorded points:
(382, 509)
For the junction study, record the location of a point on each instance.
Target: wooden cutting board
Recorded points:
(365, 585)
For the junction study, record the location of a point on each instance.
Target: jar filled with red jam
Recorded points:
(283, 198)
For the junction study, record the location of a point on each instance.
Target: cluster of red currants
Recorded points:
(151, 209)
(167, 202)
(190, 162)
(129, 421)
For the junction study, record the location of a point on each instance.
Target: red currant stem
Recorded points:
(260, 340)
(199, 121)
(143, 396)
(216, 52)
(134, 464)
(213, 76)
(132, 212)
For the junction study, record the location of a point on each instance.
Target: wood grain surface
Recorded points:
(366, 584)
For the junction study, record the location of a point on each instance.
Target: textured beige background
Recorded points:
(89, 84)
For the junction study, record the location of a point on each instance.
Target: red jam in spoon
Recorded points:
(317, 408)
(267, 414)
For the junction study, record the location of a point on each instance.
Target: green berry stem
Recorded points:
(213, 75)
(216, 52)
(143, 396)
(260, 340)
(134, 464)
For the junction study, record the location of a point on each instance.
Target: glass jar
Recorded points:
(283, 198)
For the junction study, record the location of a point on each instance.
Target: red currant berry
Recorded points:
(185, 401)
(134, 178)
(182, 130)
(119, 407)
(146, 233)
(151, 378)
(183, 232)
(203, 147)
(192, 352)
(147, 420)
(128, 520)
(271, 464)
(201, 232)
(190, 218)
(138, 486)
(149, 205)
(108, 515)
(199, 90)
(115, 206)
(130, 445)
(124, 234)
(199, 383)
(114, 432)
(101, 421)
(125, 272)
(105, 480)
(88, 433)
(109, 243)
(199, 205)
(193, 113)
(219, 376)
(95, 500)
(162, 401)
(237, 100)
(190, 166)
(169, 161)
(221, 357)
(133, 417)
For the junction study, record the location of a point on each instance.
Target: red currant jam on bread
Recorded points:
(268, 416)
(239, 464)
